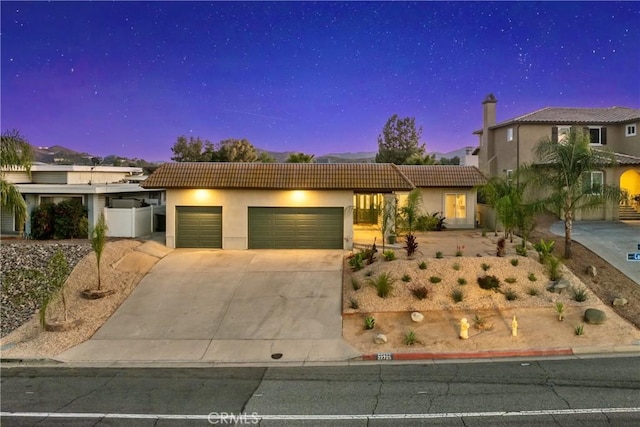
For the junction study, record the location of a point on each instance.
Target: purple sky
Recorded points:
(128, 78)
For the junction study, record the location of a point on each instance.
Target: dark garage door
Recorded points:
(295, 228)
(198, 227)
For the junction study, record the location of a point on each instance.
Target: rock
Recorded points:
(592, 271)
(417, 317)
(559, 286)
(380, 339)
(618, 302)
(594, 316)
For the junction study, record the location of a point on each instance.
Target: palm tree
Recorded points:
(562, 172)
(99, 240)
(497, 192)
(300, 158)
(15, 153)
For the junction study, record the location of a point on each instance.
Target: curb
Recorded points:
(468, 355)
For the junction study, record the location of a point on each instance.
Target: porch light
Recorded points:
(298, 195)
(201, 195)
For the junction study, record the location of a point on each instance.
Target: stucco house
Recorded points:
(509, 144)
(97, 187)
(282, 205)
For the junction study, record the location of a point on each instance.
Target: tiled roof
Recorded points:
(559, 115)
(626, 160)
(280, 176)
(443, 176)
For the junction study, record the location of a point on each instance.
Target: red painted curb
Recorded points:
(468, 355)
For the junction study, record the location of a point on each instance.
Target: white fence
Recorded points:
(133, 222)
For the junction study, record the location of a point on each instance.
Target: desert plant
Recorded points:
(369, 322)
(389, 255)
(410, 245)
(544, 249)
(406, 278)
(514, 262)
(435, 279)
(459, 250)
(489, 282)
(521, 250)
(353, 303)
(510, 295)
(355, 284)
(552, 265)
(422, 265)
(501, 247)
(439, 254)
(579, 330)
(456, 266)
(479, 322)
(532, 277)
(356, 262)
(483, 233)
(56, 274)
(99, 240)
(579, 294)
(511, 280)
(420, 292)
(369, 254)
(532, 291)
(559, 307)
(457, 295)
(410, 338)
(485, 266)
(383, 284)
(462, 281)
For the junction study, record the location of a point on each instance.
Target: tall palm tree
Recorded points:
(15, 153)
(562, 172)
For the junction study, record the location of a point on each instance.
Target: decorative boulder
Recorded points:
(618, 302)
(417, 317)
(594, 316)
(559, 286)
(380, 339)
(592, 271)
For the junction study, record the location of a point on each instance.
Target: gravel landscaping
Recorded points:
(20, 293)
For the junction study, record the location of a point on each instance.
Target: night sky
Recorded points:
(128, 78)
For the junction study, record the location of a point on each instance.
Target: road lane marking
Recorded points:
(224, 416)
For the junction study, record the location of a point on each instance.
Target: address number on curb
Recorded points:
(385, 356)
(633, 257)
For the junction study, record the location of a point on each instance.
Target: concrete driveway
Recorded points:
(228, 306)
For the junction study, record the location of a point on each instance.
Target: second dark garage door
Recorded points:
(296, 228)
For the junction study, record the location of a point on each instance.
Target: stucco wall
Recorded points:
(433, 200)
(235, 204)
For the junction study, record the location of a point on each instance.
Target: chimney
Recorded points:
(488, 120)
(488, 112)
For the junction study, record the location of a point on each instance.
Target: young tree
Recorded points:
(15, 153)
(387, 214)
(411, 209)
(300, 158)
(98, 241)
(235, 150)
(399, 141)
(563, 172)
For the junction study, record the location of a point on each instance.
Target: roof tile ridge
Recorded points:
(402, 175)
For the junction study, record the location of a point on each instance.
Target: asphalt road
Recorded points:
(548, 392)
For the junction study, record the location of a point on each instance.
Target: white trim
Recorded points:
(631, 129)
(599, 128)
(509, 134)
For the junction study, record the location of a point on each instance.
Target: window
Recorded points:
(592, 182)
(598, 135)
(560, 133)
(630, 130)
(509, 175)
(455, 206)
(509, 134)
(58, 199)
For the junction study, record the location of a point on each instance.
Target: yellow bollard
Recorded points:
(464, 329)
(514, 327)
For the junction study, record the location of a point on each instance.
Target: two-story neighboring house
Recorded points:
(507, 145)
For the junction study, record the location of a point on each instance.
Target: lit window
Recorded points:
(563, 133)
(509, 134)
(630, 130)
(455, 206)
(592, 182)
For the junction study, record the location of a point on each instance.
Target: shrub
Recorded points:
(435, 279)
(559, 307)
(353, 303)
(544, 249)
(369, 322)
(389, 255)
(462, 281)
(42, 222)
(355, 284)
(479, 322)
(579, 330)
(406, 278)
(514, 262)
(439, 255)
(485, 266)
(579, 294)
(456, 266)
(489, 282)
(457, 295)
(56, 275)
(65, 220)
(532, 291)
(510, 295)
(511, 280)
(422, 265)
(532, 277)
(522, 251)
(410, 245)
(459, 250)
(500, 247)
(356, 262)
(410, 338)
(552, 265)
(383, 284)
(484, 232)
(420, 292)
(426, 223)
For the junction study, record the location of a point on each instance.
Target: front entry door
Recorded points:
(366, 208)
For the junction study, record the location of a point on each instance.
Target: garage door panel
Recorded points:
(199, 227)
(295, 228)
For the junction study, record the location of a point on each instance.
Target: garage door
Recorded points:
(198, 226)
(295, 228)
